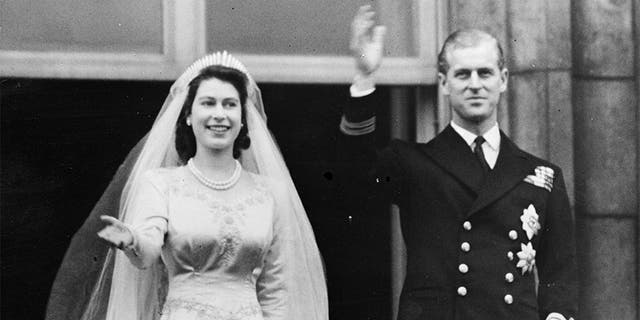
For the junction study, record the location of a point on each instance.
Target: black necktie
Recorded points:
(477, 150)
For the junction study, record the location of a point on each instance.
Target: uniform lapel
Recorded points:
(511, 167)
(453, 154)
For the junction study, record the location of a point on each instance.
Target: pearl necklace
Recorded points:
(216, 185)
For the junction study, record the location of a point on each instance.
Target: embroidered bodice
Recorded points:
(221, 256)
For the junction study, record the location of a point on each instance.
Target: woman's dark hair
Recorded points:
(185, 140)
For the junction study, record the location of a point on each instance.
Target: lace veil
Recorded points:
(95, 282)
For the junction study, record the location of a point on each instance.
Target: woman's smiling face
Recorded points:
(216, 115)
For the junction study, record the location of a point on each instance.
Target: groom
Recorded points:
(481, 218)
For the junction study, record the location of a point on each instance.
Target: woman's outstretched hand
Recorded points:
(115, 233)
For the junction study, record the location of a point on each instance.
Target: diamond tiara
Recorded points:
(223, 58)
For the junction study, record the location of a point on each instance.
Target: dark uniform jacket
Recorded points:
(468, 252)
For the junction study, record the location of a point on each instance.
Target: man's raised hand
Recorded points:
(367, 41)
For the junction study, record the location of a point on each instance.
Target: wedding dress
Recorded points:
(222, 257)
(251, 258)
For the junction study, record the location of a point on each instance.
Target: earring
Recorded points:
(188, 122)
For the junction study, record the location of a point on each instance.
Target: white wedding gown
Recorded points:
(222, 258)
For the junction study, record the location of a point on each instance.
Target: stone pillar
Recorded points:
(606, 149)
(637, 76)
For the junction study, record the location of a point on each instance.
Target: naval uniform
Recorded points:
(475, 240)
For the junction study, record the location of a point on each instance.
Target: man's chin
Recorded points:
(477, 105)
(476, 119)
(477, 116)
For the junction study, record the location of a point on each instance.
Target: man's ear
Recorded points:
(504, 77)
(443, 82)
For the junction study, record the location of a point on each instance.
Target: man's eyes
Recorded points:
(483, 73)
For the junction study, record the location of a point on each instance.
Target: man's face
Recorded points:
(473, 84)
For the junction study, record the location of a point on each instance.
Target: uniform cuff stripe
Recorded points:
(357, 128)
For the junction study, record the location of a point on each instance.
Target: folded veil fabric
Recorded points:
(95, 282)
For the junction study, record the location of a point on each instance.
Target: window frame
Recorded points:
(184, 40)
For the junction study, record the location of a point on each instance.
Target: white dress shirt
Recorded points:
(491, 147)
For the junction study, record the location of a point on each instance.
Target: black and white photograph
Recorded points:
(316, 160)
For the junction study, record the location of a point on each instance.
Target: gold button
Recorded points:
(465, 246)
(509, 277)
(467, 225)
(508, 299)
(513, 235)
(462, 291)
(463, 268)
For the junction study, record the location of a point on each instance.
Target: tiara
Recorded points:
(223, 58)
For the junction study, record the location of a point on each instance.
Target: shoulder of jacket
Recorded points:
(403, 145)
(539, 162)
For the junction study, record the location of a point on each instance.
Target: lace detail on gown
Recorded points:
(209, 312)
(229, 215)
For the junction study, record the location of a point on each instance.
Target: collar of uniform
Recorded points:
(492, 136)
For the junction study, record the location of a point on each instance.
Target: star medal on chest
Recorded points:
(531, 226)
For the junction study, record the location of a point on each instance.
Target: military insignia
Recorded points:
(530, 223)
(527, 257)
(357, 128)
(543, 178)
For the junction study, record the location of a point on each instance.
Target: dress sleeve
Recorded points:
(148, 216)
(271, 286)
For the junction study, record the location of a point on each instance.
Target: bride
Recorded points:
(209, 226)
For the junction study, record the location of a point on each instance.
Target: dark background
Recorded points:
(62, 141)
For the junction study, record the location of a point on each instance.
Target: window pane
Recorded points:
(304, 27)
(82, 25)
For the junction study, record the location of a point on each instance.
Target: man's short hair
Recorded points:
(466, 38)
